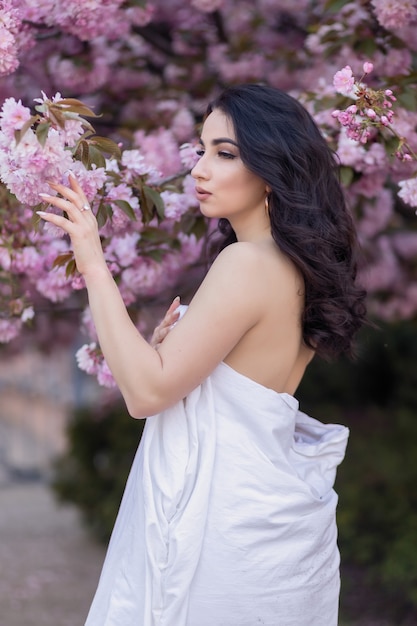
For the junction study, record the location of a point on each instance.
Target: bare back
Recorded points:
(272, 352)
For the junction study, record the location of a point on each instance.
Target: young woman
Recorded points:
(228, 517)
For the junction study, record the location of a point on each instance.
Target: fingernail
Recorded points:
(41, 213)
(177, 299)
(45, 195)
(71, 174)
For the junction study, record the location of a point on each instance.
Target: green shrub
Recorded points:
(93, 474)
(376, 397)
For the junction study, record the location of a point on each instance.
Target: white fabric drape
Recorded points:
(228, 517)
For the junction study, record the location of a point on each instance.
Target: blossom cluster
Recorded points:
(395, 15)
(372, 108)
(370, 138)
(10, 25)
(139, 215)
(150, 67)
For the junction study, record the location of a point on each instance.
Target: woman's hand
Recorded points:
(81, 224)
(162, 330)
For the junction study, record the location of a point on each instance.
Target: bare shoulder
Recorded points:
(257, 264)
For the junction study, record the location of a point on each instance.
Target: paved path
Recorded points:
(49, 566)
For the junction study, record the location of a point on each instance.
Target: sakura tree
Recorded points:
(114, 91)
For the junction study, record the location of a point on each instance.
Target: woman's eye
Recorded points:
(199, 152)
(226, 155)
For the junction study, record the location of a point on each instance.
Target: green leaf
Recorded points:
(102, 214)
(200, 227)
(107, 146)
(36, 219)
(155, 235)
(156, 255)
(366, 46)
(391, 145)
(146, 209)
(95, 156)
(71, 268)
(126, 208)
(408, 98)
(75, 106)
(18, 134)
(62, 259)
(42, 131)
(74, 116)
(56, 116)
(82, 153)
(154, 199)
(335, 5)
(346, 175)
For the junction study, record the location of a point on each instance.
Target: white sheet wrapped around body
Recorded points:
(228, 517)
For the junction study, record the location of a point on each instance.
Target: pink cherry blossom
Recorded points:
(27, 314)
(207, 5)
(405, 244)
(160, 150)
(188, 155)
(54, 285)
(394, 14)
(5, 258)
(13, 116)
(188, 185)
(408, 191)
(10, 24)
(145, 277)
(376, 215)
(72, 132)
(104, 376)
(343, 81)
(175, 205)
(9, 329)
(140, 15)
(122, 249)
(87, 359)
(183, 125)
(153, 93)
(135, 163)
(87, 324)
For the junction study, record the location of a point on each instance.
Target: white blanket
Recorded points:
(228, 517)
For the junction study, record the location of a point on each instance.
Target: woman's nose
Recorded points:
(200, 169)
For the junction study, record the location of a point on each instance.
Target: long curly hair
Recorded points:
(310, 222)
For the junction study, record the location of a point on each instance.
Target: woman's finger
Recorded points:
(76, 197)
(172, 314)
(61, 203)
(75, 185)
(162, 330)
(57, 220)
(72, 193)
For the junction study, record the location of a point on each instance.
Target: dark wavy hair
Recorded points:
(280, 142)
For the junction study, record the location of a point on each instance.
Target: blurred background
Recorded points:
(148, 69)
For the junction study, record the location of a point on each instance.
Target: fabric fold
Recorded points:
(228, 516)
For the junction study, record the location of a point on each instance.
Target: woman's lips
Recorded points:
(202, 194)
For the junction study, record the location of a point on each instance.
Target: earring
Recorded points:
(267, 203)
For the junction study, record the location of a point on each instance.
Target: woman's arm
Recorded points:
(225, 307)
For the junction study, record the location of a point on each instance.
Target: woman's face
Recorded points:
(225, 187)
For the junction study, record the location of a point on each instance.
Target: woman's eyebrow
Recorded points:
(216, 142)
